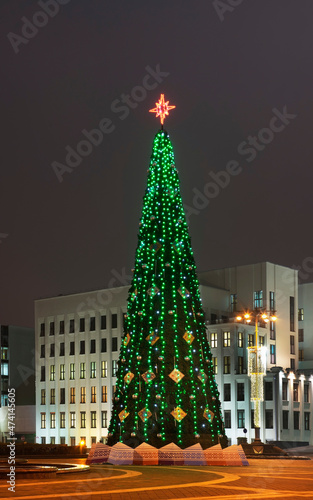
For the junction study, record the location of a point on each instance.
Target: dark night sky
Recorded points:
(225, 78)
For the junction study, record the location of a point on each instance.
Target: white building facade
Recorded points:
(78, 338)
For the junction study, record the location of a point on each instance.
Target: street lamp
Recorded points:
(257, 366)
(81, 444)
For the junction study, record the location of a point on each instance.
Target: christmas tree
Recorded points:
(165, 389)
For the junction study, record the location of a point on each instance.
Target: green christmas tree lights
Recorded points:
(165, 389)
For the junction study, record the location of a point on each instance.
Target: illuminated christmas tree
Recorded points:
(165, 389)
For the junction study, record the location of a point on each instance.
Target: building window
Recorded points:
(258, 299)
(301, 335)
(83, 394)
(233, 302)
(72, 441)
(42, 351)
(240, 419)
(62, 439)
(93, 369)
(52, 350)
(292, 314)
(104, 396)
(300, 314)
(240, 339)
(72, 348)
(72, 326)
(104, 369)
(62, 419)
(252, 419)
(62, 350)
(72, 371)
(43, 440)
(52, 372)
(240, 365)
(82, 324)
(82, 370)
(272, 330)
(103, 322)
(292, 364)
(214, 319)
(61, 327)
(42, 329)
(268, 391)
(226, 365)
(114, 320)
(285, 390)
(92, 346)
(214, 365)
(103, 345)
(292, 344)
(62, 372)
(240, 391)
(261, 340)
(62, 395)
(43, 397)
(295, 391)
(104, 419)
(226, 339)
(114, 344)
(227, 393)
(52, 420)
(42, 420)
(285, 419)
(51, 328)
(272, 302)
(213, 341)
(72, 419)
(93, 394)
(307, 426)
(52, 440)
(52, 396)
(72, 395)
(227, 419)
(272, 354)
(83, 420)
(113, 390)
(306, 393)
(296, 420)
(250, 340)
(42, 374)
(92, 325)
(269, 419)
(114, 367)
(82, 347)
(93, 418)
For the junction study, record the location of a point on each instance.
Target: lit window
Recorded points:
(82, 370)
(52, 372)
(114, 367)
(104, 419)
(93, 369)
(226, 339)
(214, 339)
(93, 394)
(52, 396)
(83, 420)
(104, 369)
(62, 420)
(250, 340)
(52, 420)
(104, 397)
(226, 365)
(43, 397)
(62, 372)
(72, 371)
(43, 420)
(72, 395)
(72, 419)
(300, 314)
(240, 365)
(93, 418)
(83, 394)
(240, 339)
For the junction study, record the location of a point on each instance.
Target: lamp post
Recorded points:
(257, 366)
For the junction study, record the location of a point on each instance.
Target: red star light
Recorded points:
(162, 109)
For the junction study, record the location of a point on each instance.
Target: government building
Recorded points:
(78, 338)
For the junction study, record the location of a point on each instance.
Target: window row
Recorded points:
(240, 339)
(296, 393)
(296, 420)
(72, 395)
(240, 391)
(258, 301)
(61, 424)
(241, 419)
(82, 370)
(82, 347)
(81, 325)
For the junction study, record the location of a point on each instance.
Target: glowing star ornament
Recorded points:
(148, 376)
(129, 377)
(188, 337)
(162, 109)
(176, 375)
(123, 414)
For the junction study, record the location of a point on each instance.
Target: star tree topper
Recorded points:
(162, 109)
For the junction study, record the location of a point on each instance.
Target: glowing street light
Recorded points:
(81, 444)
(257, 367)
